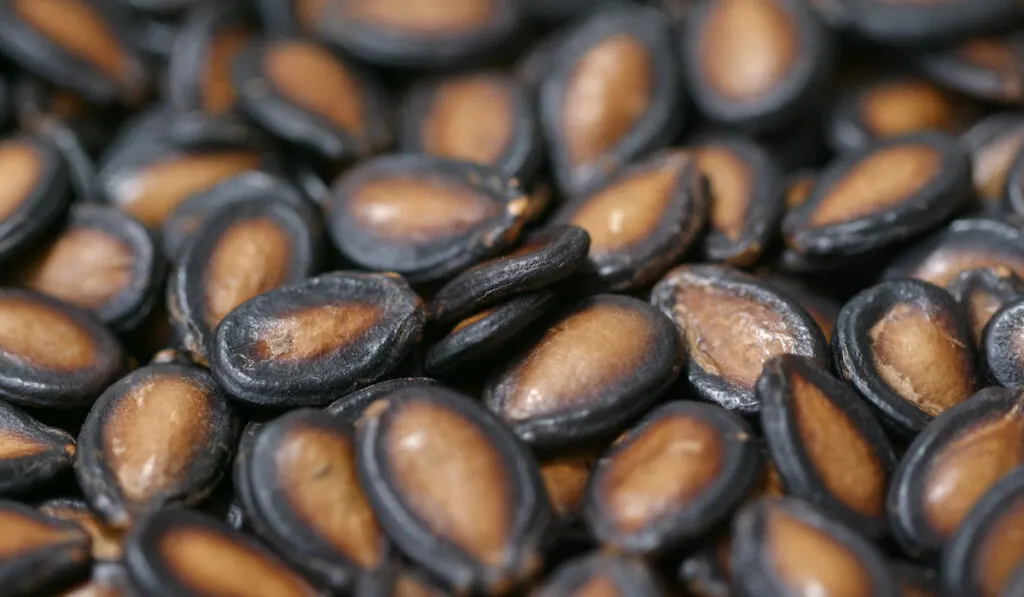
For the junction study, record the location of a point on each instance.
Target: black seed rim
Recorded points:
(44, 204)
(350, 406)
(1000, 347)
(48, 567)
(23, 473)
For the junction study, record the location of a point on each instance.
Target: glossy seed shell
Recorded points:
(305, 343)
(39, 553)
(351, 406)
(678, 472)
(161, 436)
(453, 488)
(623, 355)
(950, 466)
(731, 324)
(31, 453)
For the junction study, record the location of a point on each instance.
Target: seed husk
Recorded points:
(53, 355)
(642, 221)
(624, 355)
(31, 453)
(601, 574)
(307, 502)
(426, 218)
(306, 95)
(825, 443)
(238, 252)
(73, 44)
(351, 406)
(731, 324)
(453, 488)
(888, 192)
(906, 347)
(982, 292)
(724, 42)
(674, 475)
(985, 68)
(39, 553)
(482, 117)
(306, 343)
(987, 548)
(612, 95)
(951, 464)
(486, 334)
(548, 256)
(182, 552)
(781, 546)
(1003, 352)
(107, 542)
(161, 436)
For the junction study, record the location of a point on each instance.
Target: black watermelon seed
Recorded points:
(31, 454)
(304, 344)
(677, 473)
(351, 406)
(35, 192)
(905, 346)
(40, 553)
(993, 142)
(713, 308)
(1001, 345)
(985, 68)
(951, 464)
(624, 354)
(107, 541)
(982, 292)
(604, 574)
(161, 436)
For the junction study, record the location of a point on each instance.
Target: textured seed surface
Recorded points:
(667, 464)
(808, 561)
(84, 267)
(749, 47)
(469, 119)
(453, 478)
(883, 180)
(430, 17)
(917, 357)
(74, 26)
(314, 332)
(606, 95)
(20, 169)
(417, 209)
(39, 336)
(311, 77)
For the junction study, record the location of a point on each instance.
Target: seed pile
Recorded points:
(639, 298)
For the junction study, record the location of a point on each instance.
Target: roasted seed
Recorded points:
(306, 343)
(601, 574)
(986, 68)
(825, 443)
(454, 488)
(992, 143)
(426, 218)
(642, 221)
(35, 190)
(1001, 345)
(982, 292)
(906, 346)
(677, 473)
(612, 95)
(732, 324)
(161, 436)
(181, 552)
(565, 478)
(107, 542)
(31, 454)
(39, 553)
(624, 354)
(970, 243)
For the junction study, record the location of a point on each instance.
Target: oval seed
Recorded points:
(642, 221)
(429, 33)
(483, 336)
(786, 547)
(906, 347)
(624, 354)
(1002, 347)
(38, 553)
(306, 95)
(307, 501)
(53, 355)
(35, 190)
(453, 488)
(612, 95)
(181, 552)
(351, 406)
(107, 542)
(305, 343)
(674, 475)
(951, 464)
(754, 63)
(746, 198)
(604, 575)
(891, 107)
(481, 117)
(989, 545)
(965, 244)
(546, 257)
(423, 217)
(199, 69)
(104, 261)
(31, 454)
(985, 68)
(992, 143)
(240, 251)
(732, 324)
(73, 44)
(885, 193)
(982, 292)
(825, 443)
(161, 436)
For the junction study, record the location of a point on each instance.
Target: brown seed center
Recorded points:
(469, 119)
(809, 562)
(35, 335)
(316, 332)
(315, 80)
(20, 169)
(84, 267)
